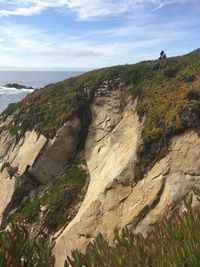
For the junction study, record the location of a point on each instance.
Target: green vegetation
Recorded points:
(168, 93)
(174, 242)
(169, 99)
(59, 198)
(11, 109)
(46, 109)
(17, 249)
(5, 165)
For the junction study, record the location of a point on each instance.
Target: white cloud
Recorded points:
(21, 45)
(29, 47)
(139, 36)
(84, 9)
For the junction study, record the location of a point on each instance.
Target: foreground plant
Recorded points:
(17, 249)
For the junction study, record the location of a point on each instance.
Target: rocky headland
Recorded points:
(17, 86)
(112, 148)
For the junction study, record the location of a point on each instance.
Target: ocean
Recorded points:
(35, 79)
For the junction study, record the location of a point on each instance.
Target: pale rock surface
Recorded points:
(7, 143)
(8, 185)
(52, 160)
(179, 171)
(110, 152)
(28, 151)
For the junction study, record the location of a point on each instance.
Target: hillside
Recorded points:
(114, 147)
(168, 94)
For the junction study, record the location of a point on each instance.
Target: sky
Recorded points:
(89, 34)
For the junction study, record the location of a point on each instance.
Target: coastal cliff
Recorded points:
(111, 148)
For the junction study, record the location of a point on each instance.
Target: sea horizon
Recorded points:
(36, 79)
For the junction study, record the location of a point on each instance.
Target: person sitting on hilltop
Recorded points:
(162, 55)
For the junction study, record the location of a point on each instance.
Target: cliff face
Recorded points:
(120, 149)
(119, 203)
(110, 153)
(34, 161)
(114, 199)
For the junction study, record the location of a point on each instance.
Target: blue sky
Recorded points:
(88, 34)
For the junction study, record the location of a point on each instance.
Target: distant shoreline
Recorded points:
(45, 70)
(35, 79)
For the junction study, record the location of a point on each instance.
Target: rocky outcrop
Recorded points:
(26, 151)
(114, 199)
(110, 152)
(178, 172)
(18, 86)
(34, 160)
(43, 158)
(52, 160)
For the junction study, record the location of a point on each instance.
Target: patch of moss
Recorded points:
(59, 197)
(5, 165)
(29, 211)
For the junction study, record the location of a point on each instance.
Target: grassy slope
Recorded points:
(60, 196)
(168, 92)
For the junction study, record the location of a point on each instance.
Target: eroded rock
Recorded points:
(112, 201)
(33, 161)
(109, 152)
